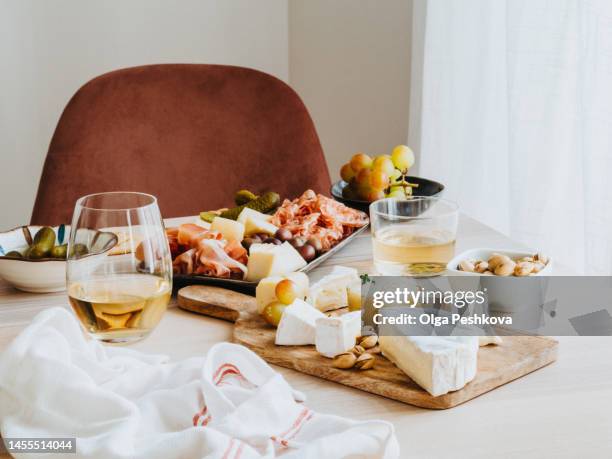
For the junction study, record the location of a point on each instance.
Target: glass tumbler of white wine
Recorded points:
(413, 237)
(119, 297)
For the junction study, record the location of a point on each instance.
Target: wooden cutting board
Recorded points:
(215, 301)
(497, 365)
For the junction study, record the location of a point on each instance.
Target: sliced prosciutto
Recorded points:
(316, 216)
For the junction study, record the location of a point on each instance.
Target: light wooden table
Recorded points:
(561, 411)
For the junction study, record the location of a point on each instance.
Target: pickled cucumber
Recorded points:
(59, 251)
(264, 204)
(13, 254)
(244, 196)
(79, 250)
(43, 243)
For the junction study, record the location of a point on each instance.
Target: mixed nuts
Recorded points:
(502, 265)
(361, 356)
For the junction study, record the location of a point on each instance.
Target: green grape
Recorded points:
(402, 157)
(286, 291)
(395, 176)
(347, 172)
(396, 193)
(273, 312)
(360, 161)
(384, 164)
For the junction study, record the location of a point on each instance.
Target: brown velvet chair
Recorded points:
(191, 134)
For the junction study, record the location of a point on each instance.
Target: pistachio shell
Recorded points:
(358, 350)
(344, 361)
(368, 341)
(365, 362)
(505, 269)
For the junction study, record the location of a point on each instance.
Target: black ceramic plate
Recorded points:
(249, 287)
(426, 188)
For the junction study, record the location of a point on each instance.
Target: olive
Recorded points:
(247, 242)
(43, 242)
(13, 254)
(307, 252)
(59, 251)
(316, 244)
(255, 238)
(272, 240)
(297, 242)
(283, 234)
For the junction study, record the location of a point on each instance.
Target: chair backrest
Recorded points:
(190, 134)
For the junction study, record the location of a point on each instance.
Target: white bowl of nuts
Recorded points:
(499, 262)
(523, 300)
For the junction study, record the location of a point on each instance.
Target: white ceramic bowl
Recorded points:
(485, 254)
(521, 301)
(45, 274)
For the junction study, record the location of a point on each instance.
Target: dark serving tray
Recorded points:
(182, 280)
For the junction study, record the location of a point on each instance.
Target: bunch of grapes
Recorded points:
(383, 176)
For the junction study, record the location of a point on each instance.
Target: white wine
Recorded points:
(120, 308)
(407, 250)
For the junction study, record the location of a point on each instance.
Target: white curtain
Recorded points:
(512, 110)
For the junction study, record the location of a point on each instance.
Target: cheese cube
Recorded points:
(437, 364)
(254, 225)
(248, 212)
(265, 291)
(267, 260)
(335, 335)
(297, 324)
(331, 292)
(230, 229)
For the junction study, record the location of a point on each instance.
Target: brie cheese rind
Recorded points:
(486, 340)
(265, 292)
(437, 364)
(335, 335)
(297, 324)
(331, 292)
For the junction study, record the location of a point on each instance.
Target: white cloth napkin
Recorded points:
(121, 403)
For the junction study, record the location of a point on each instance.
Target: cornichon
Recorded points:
(264, 204)
(244, 196)
(13, 254)
(43, 243)
(59, 251)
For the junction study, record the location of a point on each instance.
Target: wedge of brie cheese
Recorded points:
(437, 364)
(267, 260)
(335, 335)
(297, 324)
(265, 293)
(331, 292)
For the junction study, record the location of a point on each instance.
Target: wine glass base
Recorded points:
(119, 340)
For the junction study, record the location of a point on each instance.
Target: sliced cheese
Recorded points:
(486, 340)
(331, 292)
(265, 291)
(248, 212)
(437, 364)
(230, 229)
(267, 260)
(297, 324)
(254, 225)
(335, 335)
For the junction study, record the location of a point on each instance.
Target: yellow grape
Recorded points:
(395, 175)
(384, 164)
(396, 192)
(286, 291)
(347, 172)
(362, 178)
(402, 157)
(379, 179)
(273, 312)
(375, 195)
(360, 161)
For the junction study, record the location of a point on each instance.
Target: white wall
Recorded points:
(350, 62)
(49, 49)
